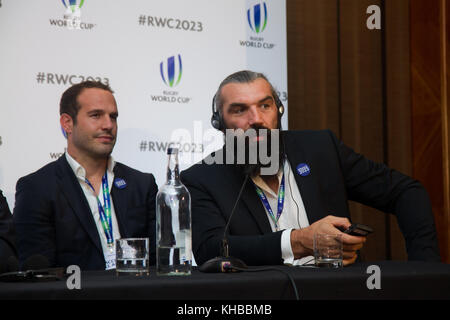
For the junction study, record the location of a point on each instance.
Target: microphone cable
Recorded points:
(304, 264)
(292, 197)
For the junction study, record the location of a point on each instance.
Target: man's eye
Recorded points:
(95, 115)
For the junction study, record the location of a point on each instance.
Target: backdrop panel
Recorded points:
(163, 59)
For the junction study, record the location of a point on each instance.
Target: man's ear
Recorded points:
(66, 122)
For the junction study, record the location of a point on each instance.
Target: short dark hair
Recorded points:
(69, 100)
(244, 76)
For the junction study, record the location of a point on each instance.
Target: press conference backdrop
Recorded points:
(164, 60)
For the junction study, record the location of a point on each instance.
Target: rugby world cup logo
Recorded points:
(72, 16)
(171, 71)
(73, 5)
(257, 17)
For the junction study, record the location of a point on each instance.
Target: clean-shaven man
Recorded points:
(72, 210)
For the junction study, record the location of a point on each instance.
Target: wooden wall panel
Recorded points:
(335, 82)
(361, 80)
(380, 92)
(313, 64)
(426, 76)
(445, 76)
(398, 106)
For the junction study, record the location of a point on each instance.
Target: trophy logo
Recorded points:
(72, 16)
(171, 74)
(257, 17)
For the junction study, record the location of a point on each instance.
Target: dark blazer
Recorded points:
(337, 174)
(52, 216)
(7, 233)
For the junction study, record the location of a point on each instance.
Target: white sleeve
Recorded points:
(286, 251)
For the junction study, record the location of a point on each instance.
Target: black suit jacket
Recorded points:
(52, 216)
(7, 233)
(337, 175)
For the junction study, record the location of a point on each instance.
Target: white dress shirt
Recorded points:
(293, 215)
(91, 198)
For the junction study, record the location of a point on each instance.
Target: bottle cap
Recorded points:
(172, 150)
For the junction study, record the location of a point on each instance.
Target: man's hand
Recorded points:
(302, 239)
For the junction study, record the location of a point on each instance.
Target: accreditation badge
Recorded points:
(110, 259)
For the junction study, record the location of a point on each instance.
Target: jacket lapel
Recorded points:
(120, 197)
(308, 185)
(71, 189)
(250, 199)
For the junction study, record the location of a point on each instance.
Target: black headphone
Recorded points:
(217, 120)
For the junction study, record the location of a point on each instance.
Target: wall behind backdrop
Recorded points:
(163, 59)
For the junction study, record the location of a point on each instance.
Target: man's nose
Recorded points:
(255, 117)
(107, 123)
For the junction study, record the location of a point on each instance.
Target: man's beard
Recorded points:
(257, 152)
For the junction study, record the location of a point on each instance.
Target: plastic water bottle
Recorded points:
(173, 223)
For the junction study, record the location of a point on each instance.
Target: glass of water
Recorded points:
(132, 256)
(328, 250)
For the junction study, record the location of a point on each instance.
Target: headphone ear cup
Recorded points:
(216, 118)
(279, 105)
(215, 123)
(281, 110)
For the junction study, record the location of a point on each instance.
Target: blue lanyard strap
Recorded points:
(267, 205)
(105, 211)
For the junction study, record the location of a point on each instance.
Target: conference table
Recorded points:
(387, 280)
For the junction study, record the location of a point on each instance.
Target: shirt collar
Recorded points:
(258, 181)
(80, 172)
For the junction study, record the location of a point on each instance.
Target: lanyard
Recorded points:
(267, 205)
(105, 211)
